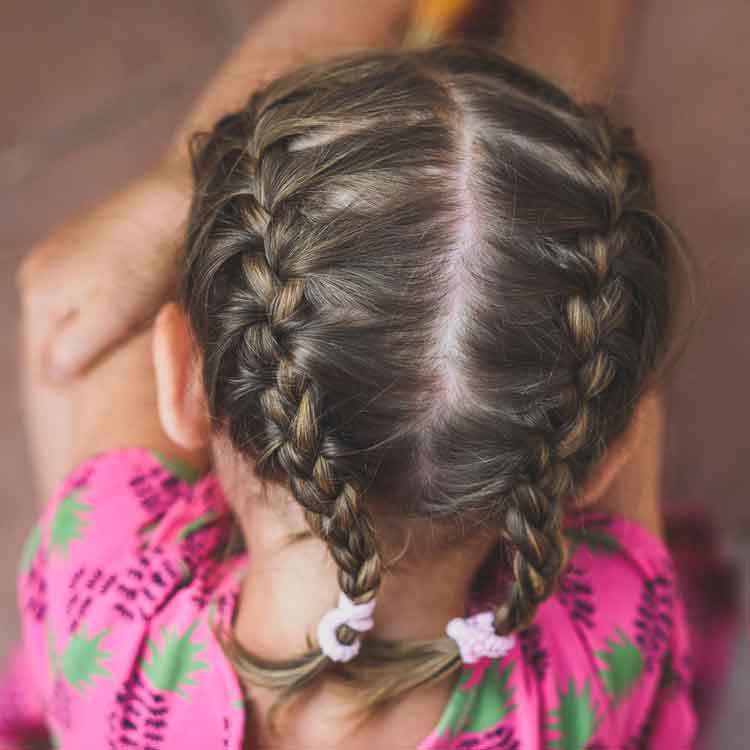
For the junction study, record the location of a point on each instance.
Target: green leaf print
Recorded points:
(81, 659)
(67, 524)
(480, 706)
(625, 665)
(202, 521)
(180, 470)
(30, 548)
(597, 540)
(171, 667)
(575, 720)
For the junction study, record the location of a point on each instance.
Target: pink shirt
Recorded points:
(123, 583)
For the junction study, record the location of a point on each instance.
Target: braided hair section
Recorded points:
(254, 377)
(600, 319)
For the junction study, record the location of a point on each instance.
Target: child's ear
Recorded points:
(182, 404)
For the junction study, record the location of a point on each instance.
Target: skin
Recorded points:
(578, 44)
(134, 233)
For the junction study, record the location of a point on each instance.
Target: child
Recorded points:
(424, 303)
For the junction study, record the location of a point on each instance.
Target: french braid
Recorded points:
(293, 444)
(533, 521)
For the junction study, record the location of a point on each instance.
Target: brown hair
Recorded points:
(426, 279)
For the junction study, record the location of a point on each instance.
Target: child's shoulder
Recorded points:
(616, 601)
(615, 636)
(123, 499)
(121, 585)
(604, 664)
(610, 648)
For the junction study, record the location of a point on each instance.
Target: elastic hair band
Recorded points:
(355, 616)
(476, 637)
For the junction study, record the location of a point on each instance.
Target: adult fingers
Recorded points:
(79, 339)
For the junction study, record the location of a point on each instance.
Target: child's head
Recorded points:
(424, 284)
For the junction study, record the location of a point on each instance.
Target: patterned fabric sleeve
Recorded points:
(119, 593)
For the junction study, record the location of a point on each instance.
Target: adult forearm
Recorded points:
(290, 33)
(72, 282)
(576, 43)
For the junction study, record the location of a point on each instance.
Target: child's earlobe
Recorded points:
(182, 404)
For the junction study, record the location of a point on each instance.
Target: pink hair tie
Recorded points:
(476, 637)
(355, 616)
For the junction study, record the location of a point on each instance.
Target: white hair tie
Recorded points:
(476, 637)
(355, 616)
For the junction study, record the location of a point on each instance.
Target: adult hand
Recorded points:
(102, 275)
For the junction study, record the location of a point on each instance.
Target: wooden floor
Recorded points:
(91, 92)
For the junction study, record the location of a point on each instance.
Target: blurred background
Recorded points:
(92, 92)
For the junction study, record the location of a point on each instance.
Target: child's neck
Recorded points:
(289, 586)
(287, 589)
